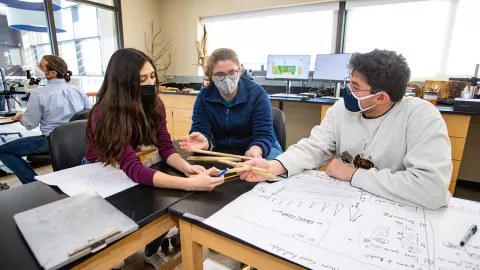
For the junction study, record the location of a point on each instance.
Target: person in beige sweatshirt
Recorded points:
(393, 146)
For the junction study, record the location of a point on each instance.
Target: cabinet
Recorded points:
(457, 126)
(179, 109)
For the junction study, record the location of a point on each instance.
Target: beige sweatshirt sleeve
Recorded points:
(428, 164)
(312, 152)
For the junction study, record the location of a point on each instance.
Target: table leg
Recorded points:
(192, 257)
(238, 251)
(117, 252)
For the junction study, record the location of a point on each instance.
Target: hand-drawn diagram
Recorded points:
(323, 223)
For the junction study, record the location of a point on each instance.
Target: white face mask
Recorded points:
(40, 74)
(227, 86)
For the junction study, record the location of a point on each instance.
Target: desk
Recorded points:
(198, 206)
(145, 205)
(6, 121)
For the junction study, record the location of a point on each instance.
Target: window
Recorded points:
(404, 28)
(21, 48)
(307, 30)
(464, 53)
(89, 38)
(435, 36)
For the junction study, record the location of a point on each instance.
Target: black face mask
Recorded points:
(147, 92)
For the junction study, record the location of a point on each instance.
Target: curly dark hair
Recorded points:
(382, 70)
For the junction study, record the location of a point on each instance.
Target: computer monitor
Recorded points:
(331, 67)
(288, 67)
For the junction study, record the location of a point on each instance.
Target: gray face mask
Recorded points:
(227, 85)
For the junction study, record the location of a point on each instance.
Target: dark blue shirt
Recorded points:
(247, 122)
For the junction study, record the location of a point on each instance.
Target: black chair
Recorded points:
(279, 127)
(81, 115)
(67, 145)
(42, 159)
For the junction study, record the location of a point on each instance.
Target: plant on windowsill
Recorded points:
(202, 52)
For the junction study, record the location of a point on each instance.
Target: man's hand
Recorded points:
(341, 171)
(251, 176)
(18, 117)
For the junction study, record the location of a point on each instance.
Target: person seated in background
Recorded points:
(232, 113)
(393, 146)
(49, 107)
(129, 113)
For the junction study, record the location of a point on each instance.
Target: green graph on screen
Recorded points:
(284, 70)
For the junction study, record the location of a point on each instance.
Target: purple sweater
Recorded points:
(129, 162)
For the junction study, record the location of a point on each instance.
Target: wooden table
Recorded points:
(192, 210)
(6, 120)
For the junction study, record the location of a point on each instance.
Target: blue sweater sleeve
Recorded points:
(200, 121)
(262, 124)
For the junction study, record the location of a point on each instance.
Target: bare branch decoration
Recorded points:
(151, 46)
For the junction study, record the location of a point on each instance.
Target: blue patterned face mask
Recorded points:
(352, 102)
(227, 86)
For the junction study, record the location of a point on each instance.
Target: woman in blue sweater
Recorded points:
(233, 113)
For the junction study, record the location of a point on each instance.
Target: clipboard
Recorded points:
(63, 231)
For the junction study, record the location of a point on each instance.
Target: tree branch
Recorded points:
(168, 64)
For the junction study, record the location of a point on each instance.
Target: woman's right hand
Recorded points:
(207, 180)
(194, 141)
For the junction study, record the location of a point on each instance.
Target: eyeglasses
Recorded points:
(232, 74)
(350, 90)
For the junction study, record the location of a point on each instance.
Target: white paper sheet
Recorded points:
(322, 223)
(106, 181)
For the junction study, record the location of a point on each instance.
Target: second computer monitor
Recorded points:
(331, 67)
(288, 67)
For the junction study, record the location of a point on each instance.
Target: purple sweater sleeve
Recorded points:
(130, 163)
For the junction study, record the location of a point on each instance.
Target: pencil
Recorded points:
(230, 177)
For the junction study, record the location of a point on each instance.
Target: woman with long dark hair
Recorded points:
(129, 113)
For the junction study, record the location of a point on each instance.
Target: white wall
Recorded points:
(180, 21)
(137, 16)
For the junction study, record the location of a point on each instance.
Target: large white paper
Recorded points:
(106, 181)
(322, 223)
(55, 229)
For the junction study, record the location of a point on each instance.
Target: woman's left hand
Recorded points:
(191, 170)
(254, 152)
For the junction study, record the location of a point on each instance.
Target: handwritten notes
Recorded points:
(106, 181)
(322, 223)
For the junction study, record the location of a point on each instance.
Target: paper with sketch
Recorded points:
(106, 181)
(55, 229)
(322, 223)
(449, 225)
